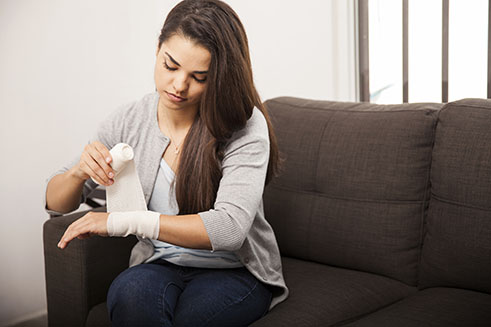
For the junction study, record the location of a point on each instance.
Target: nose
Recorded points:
(180, 84)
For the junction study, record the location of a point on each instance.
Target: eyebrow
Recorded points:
(178, 64)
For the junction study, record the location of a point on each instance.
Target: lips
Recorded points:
(175, 98)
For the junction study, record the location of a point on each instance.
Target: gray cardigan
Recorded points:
(237, 222)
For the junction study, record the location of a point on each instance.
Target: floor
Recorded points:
(35, 322)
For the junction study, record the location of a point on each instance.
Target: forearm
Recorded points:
(64, 191)
(186, 231)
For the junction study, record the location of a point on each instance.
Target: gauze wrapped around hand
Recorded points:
(141, 223)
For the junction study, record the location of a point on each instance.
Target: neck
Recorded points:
(178, 120)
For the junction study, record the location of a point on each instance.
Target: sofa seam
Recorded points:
(84, 277)
(363, 111)
(316, 174)
(453, 104)
(444, 200)
(428, 186)
(361, 316)
(402, 202)
(449, 105)
(318, 154)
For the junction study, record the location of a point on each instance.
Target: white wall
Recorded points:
(301, 48)
(64, 65)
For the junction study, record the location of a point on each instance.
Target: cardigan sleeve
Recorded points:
(240, 192)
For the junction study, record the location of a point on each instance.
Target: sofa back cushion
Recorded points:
(355, 183)
(457, 244)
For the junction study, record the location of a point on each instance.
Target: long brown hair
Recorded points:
(226, 104)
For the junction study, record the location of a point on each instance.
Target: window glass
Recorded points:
(385, 51)
(468, 41)
(425, 50)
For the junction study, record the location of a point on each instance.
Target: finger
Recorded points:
(94, 169)
(90, 224)
(64, 236)
(104, 151)
(76, 228)
(89, 171)
(90, 166)
(65, 239)
(97, 152)
(69, 236)
(104, 158)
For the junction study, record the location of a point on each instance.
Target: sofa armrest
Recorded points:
(78, 277)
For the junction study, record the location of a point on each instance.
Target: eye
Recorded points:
(167, 67)
(199, 80)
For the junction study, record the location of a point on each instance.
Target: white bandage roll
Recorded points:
(125, 199)
(126, 193)
(121, 153)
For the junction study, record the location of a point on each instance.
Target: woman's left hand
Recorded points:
(93, 223)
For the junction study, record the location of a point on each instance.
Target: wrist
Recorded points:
(75, 174)
(145, 224)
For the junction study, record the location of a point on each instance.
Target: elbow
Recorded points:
(226, 232)
(234, 244)
(230, 239)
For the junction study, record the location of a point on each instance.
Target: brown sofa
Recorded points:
(382, 214)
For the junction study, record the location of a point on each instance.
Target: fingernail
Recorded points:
(108, 159)
(111, 175)
(111, 182)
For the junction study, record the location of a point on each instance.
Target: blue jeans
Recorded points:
(163, 294)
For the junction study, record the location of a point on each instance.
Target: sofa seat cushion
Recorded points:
(434, 307)
(322, 295)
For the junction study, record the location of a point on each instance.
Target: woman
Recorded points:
(204, 149)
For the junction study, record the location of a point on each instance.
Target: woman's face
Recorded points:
(180, 72)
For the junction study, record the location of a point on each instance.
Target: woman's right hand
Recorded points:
(94, 162)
